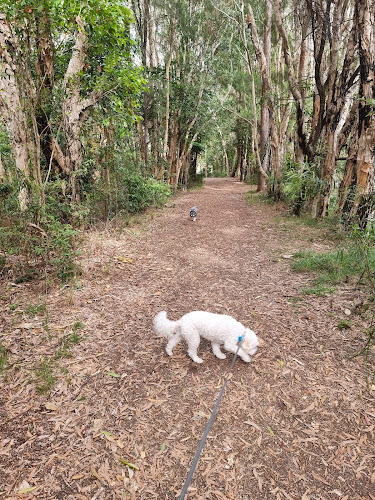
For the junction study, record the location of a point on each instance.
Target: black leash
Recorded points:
(208, 426)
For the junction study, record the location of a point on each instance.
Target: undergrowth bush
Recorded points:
(28, 248)
(46, 238)
(198, 181)
(301, 184)
(143, 193)
(130, 193)
(3, 360)
(37, 239)
(357, 259)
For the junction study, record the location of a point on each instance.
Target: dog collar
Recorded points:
(240, 339)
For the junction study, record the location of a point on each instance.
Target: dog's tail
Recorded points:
(163, 326)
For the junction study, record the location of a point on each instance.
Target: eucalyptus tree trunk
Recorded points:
(262, 175)
(359, 175)
(142, 17)
(302, 74)
(14, 87)
(3, 173)
(293, 83)
(74, 108)
(155, 123)
(274, 136)
(335, 83)
(264, 110)
(146, 21)
(45, 76)
(339, 97)
(188, 142)
(167, 101)
(225, 154)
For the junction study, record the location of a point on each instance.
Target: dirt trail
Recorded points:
(294, 424)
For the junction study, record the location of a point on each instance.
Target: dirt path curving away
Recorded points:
(296, 423)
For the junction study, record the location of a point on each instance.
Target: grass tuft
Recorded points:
(331, 267)
(319, 290)
(45, 377)
(3, 360)
(35, 309)
(344, 324)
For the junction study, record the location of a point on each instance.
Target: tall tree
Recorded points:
(267, 91)
(93, 61)
(357, 187)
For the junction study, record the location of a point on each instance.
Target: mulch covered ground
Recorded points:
(123, 420)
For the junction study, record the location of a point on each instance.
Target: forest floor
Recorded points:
(93, 408)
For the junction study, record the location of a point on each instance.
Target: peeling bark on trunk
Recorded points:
(3, 173)
(274, 138)
(338, 102)
(167, 90)
(13, 112)
(356, 193)
(74, 108)
(262, 161)
(363, 142)
(225, 154)
(264, 112)
(335, 85)
(142, 17)
(293, 84)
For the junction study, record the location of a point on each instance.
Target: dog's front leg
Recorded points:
(233, 348)
(243, 355)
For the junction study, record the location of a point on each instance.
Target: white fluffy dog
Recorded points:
(220, 329)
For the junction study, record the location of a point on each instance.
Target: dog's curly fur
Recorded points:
(220, 329)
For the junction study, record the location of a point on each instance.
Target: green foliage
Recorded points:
(367, 350)
(198, 181)
(77, 326)
(301, 183)
(142, 193)
(61, 248)
(344, 324)
(3, 360)
(45, 234)
(331, 267)
(34, 309)
(252, 197)
(319, 290)
(64, 350)
(130, 193)
(51, 243)
(45, 377)
(337, 266)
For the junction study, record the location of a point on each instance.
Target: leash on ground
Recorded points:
(208, 426)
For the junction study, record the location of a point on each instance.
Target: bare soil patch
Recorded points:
(297, 423)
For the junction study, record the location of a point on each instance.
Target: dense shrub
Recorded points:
(29, 248)
(48, 238)
(130, 193)
(301, 184)
(143, 193)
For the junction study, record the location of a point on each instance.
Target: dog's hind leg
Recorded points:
(217, 351)
(193, 342)
(172, 343)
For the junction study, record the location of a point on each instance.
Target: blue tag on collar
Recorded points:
(240, 338)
